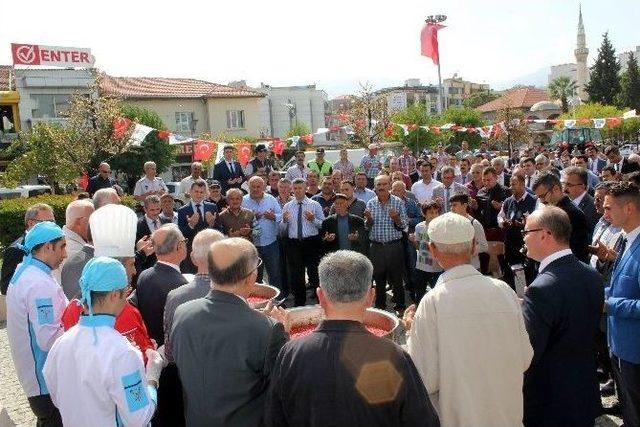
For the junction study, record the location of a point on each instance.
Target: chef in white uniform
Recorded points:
(35, 302)
(95, 376)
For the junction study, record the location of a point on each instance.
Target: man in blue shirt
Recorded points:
(268, 214)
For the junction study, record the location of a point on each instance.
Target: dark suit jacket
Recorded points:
(356, 224)
(10, 259)
(225, 352)
(154, 284)
(580, 234)
(628, 167)
(142, 229)
(588, 207)
(222, 173)
(188, 232)
(600, 162)
(562, 309)
(319, 380)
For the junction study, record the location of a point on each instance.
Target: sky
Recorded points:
(335, 44)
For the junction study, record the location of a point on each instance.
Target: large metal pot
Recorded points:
(314, 314)
(270, 293)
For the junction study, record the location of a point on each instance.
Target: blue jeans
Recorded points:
(270, 255)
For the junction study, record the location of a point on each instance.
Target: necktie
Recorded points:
(446, 199)
(528, 181)
(155, 224)
(199, 212)
(464, 179)
(299, 220)
(231, 167)
(622, 247)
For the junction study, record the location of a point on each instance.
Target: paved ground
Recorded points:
(15, 411)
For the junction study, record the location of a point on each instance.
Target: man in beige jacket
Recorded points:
(467, 337)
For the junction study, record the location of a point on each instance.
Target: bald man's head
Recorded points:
(231, 261)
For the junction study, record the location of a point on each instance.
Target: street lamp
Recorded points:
(437, 19)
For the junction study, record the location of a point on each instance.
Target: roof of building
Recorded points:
(545, 106)
(160, 87)
(6, 74)
(524, 97)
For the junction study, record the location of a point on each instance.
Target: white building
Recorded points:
(46, 93)
(285, 106)
(563, 70)
(623, 58)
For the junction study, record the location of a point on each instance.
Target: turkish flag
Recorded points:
(435, 130)
(614, 121)
(307, 138)
(277, 146)
(83, 181)
(203, 150)
(120, 127)
(388, 132)
(244, 153)
(429, 42)
(163, 134)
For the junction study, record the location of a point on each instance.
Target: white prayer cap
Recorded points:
(450, 229)
(373, 146)
(113, 231)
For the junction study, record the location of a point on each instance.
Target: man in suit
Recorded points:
(154, 284)
(622, 165)
(225, 351)
(147, 224)
(622, 304)
(343, 230)
(595, 163)
(574, 184)
(562, 310)
(504, 178)
(195, 216)
(548, 190)
(228, 171)
(298, 393)
(592, 178)
(13, 255)
(449, 187)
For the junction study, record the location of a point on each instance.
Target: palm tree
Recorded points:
(563, 88)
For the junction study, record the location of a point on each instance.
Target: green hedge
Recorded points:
(12, 213)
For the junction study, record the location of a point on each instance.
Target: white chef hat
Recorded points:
(113, 229)
(450, 229)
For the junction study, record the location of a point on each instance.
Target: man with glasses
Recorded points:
(13, 255)
(102, 180)
(154, 284)
(548, 189)
(225, 350)
(562, 309)
(574, 185)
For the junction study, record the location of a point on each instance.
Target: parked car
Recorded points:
(24, 191)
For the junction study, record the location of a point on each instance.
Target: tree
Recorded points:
(480, 98)
(366, 115)
(58, 154)
(563, 88)
(153, 148)
(630, 95)
(414, 116)
(604, 83)
(627, 129)
(517, 130)
(298, 129)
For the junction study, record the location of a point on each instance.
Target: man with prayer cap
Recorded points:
(467, 337)
(115, 237)
(96, 377)
(35, 302)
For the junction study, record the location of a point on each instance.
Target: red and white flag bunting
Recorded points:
(140, 132)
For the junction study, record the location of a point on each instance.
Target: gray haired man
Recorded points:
(376, 380)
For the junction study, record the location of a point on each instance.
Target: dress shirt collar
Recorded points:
(578, 199)
(631, 237)
(554, 256)
(174, 266)
(524, 196)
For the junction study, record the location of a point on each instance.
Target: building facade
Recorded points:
(623, 58)
(413, 92)
(563, 70)
(456, 90)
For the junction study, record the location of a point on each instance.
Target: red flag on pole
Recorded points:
(203, 150)
(429, 41)
(120, 127)
(244, 153)
(278, 146)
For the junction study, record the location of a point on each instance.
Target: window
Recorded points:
(49, 106)
(183, 122)
(235, 119)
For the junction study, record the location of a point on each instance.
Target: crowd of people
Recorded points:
(517, 281)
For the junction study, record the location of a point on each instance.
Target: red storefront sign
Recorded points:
(51, 56)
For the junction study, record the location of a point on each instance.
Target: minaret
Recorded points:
(581, 53)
